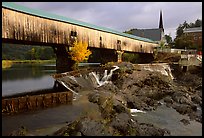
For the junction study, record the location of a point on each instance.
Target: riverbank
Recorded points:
(9, 63)
(33, 61)
(133, 87)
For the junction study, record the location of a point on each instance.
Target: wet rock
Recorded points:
(99, 97)
(134, 102)
(122, 123)
(62, 131)
(22, 131)
(196, 116)
(168, 105)
(182, 98)
(182, 108)
(157, 80)
(196, 99)
(108, 87)
(118, 106)
(185, 121)
(151, 130)
(94, 97)
(93, 128)
(168, 99)
(72, 129)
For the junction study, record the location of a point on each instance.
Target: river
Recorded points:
(27, 77)
(31, 77)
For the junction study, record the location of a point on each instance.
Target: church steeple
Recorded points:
(161, 21)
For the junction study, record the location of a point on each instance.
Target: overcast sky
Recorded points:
(122, 16)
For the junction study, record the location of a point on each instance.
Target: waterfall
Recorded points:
(104, 79)
(162, 68)
(86, 81)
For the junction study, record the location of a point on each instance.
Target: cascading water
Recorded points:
(87, 81)
(105, 78)
(162, 68)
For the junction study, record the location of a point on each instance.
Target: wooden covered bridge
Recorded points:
(27, 26)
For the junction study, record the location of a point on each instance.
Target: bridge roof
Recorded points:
(44, 14)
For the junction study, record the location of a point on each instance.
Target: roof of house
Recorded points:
(44, 14)
(192, 30)
(153, 34)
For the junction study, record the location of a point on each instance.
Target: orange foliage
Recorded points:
(79, 51)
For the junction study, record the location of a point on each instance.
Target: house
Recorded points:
(195, 35)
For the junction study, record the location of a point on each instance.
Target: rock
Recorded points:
(196, 99)
(182, 98)
(151, 130)
(118, 106)
(168, 99)
(93, 128)
(122, 123)
(22, 131)
(185, 121)
(195, 116)
(135, 102)
(94, 97)
(61, 131)
(182, 108)
(99, 97)
(71, 129)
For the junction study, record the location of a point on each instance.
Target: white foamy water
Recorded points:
(87, 81)
(105, 77)
(164, 69)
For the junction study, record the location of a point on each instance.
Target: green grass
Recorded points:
(8, 63)
(33, 61)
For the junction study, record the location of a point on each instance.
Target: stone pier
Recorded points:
(64, 62)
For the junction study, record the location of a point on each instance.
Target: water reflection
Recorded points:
(27, 71)
(27, 77)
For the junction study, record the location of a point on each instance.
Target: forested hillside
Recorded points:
(26, 52)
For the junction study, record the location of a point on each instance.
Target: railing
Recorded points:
(173, 50)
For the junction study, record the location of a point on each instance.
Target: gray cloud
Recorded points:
(123, 16)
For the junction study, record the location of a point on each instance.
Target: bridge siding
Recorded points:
(21, 26)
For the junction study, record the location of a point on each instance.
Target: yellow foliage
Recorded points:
(79, 51)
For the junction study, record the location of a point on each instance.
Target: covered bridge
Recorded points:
(23, 25)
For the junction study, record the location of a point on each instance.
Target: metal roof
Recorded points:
(153, 34)
(190, 30)
(44, 14)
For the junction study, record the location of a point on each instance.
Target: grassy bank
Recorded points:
(33, 61)
(8, 63)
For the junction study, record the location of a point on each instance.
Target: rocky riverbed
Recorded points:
(133, 87)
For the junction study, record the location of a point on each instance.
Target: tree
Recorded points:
(79, 52)
(130, 31)
(183, 42)
(168, 39)
(33, 53)
(198, 23)
(179, 30)
(162, 44)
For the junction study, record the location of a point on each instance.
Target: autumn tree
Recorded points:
(79, 52)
